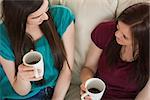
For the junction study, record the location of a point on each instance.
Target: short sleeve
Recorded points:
(62, 17)
(103, 33)
(5, 47)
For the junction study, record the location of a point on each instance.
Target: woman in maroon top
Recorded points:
(119, 55)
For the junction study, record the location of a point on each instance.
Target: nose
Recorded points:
(117, 34)
(45, 16)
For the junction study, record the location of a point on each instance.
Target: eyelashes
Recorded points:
(125, 37)
(36, 17)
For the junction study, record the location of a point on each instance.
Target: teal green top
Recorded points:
(62, 17)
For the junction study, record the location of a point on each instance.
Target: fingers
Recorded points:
(83, 89)
(36, 79)
(87, 98)
(24, 68)
(27, 73)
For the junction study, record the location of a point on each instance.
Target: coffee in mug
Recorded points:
(34, 59)
(94, 90)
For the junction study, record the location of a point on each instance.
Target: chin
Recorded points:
(40, 23)
(119, 42)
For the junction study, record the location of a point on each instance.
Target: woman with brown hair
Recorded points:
(119, 55)
(35, 25)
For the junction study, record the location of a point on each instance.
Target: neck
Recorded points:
(127, 48)
(34, 31)
(126, 53)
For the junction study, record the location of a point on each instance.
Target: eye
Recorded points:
(125, 37)
(36, 17)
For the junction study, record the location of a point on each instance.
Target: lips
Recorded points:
(118, 40)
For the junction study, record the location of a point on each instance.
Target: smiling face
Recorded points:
(123, 34)
(37, 17)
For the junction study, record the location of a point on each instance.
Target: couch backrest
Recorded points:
(88, 13)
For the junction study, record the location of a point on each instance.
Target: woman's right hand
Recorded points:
(83, 90)
(27, 73)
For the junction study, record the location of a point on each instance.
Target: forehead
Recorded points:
(42, 9)
(124, 27)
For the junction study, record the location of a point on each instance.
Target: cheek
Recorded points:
(29, 21)
(126, 42)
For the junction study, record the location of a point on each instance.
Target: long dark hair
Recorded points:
(137, 17)
(15, 13)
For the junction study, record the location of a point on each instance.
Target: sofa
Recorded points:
(88, 14)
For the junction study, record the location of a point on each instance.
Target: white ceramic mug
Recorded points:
(34, 59)
(95, 88)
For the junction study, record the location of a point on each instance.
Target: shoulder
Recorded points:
(103, 33)
(105, 26)
(61, 10)
(62, 17)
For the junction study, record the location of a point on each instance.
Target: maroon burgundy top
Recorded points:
(118, 86)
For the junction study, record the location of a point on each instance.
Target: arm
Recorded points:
(20, 86)
(145, 92)
(20, 82)
(90, 66)
(64, 78)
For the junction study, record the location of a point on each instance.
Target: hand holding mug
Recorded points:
(94, 89)
(27, 73)
(83, 90)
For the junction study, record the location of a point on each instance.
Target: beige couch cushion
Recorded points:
(88, 14)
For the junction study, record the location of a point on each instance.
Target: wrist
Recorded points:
(20, 79)
(86, 74)
(92, 72)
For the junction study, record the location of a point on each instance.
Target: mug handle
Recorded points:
(84, 95)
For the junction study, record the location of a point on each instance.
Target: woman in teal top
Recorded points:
(34, 25)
